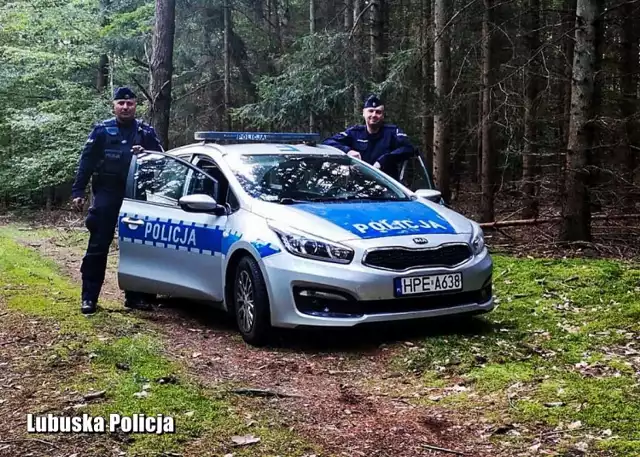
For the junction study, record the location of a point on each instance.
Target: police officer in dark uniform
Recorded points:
(382, 145)
(106, 158)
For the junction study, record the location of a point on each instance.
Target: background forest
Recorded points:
(521, 108)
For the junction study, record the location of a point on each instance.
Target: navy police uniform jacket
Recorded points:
(389, 146)
(107, 156)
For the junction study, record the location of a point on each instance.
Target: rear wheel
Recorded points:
(251, 302)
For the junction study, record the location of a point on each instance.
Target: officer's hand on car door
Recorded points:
(354, 153)
(137, 149)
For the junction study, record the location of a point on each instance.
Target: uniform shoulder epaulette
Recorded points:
(144, 126)
(109, 122)
(357, 127)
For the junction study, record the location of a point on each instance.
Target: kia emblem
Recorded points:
(420, 240)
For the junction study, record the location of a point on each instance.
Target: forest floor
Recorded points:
(554, 370)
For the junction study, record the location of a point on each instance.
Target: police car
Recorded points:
(282, 232)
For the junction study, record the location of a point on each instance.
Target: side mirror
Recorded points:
(430, 194)
(200, 203)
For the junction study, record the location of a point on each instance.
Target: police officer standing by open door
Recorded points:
(106, 158)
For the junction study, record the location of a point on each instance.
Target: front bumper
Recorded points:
(306, 292)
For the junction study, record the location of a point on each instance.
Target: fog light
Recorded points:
(485, 293)
(322, 295)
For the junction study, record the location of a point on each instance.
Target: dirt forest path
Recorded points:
(336, 389)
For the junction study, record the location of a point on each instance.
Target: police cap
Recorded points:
(123, 93)
(372, 102)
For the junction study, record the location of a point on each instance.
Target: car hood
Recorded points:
(365, 220)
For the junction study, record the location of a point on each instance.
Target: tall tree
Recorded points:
(377, 26)
(576, 216)
(312, 30)
(442, 79)
(426, 87)
(629, 67)
(529, 171)
(357, 30)
(488, 150)
(162, 68)
(227, 64)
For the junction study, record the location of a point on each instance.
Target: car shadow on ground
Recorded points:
(358, 339)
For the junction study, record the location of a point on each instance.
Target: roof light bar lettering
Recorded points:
(263, 137)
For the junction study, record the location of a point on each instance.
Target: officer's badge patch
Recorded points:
(113, 131)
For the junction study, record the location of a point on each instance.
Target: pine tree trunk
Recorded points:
(442, 83)
(427, 87)
(162, 68)
(357, 86)
(312, 30)
(529, 169)
(629, 101)
(227, 65)
(488, 152)
(102, 76)
(377, 40)
(478, 176)
(576, 217)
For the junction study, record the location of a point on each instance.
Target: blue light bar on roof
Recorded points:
(262, 137)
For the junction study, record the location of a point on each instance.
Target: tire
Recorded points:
(251, 303)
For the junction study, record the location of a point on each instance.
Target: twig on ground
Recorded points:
(16, 440)
(442, 449)
(262, 393)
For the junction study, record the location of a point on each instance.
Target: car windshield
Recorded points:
(290, 179)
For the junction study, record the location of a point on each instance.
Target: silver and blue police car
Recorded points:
(282, 232)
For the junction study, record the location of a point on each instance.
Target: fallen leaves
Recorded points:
(244, 440)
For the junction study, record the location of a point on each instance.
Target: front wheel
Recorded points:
(251, 302)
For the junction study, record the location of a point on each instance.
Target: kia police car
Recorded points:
(281, 232)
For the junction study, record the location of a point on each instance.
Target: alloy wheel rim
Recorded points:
(245, 302)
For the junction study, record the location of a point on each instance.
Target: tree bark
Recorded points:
(227, 65)
(488, 152)
(576, 217)
(442, 84)
(102, 77)
(427, 87)
(357, 86)
(377, 40)
(477, 178)
(162, 68)
(529, 166)
(348, 25)
(312, 30)
(629, 101)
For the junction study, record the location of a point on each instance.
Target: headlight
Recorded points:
(477, 240)
(311, 246)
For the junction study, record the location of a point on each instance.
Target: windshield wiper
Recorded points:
(290, 201)
(354, 197)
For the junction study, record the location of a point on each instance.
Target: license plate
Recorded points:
(427, 284)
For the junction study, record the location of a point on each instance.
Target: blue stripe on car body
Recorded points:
(382, 219)
(190, 236)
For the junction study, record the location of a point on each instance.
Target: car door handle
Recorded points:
(128, 220)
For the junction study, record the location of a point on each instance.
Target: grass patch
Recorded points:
(113, 353)
(561, 348)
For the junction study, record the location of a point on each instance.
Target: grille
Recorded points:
(403, 259)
